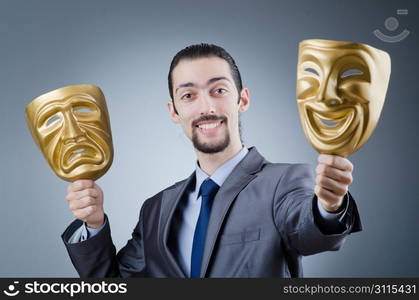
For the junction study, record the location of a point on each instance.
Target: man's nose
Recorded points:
(207, 104)
(71, 131)
(328, 92)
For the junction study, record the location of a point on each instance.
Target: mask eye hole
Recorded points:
(351, 72)
(312, 71)
(83, 110)
(52, 120)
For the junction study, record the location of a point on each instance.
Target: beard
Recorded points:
(210, 148)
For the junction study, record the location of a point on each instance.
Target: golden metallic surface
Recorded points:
(71, 127)
(341, 87)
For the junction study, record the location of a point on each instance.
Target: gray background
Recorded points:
(126, 47)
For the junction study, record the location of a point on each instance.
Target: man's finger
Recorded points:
(83, 193)
(332, 185)
(96, 187)
(84, 212)
(82, 203)
(326, 195)
(81, 184)
(336, 174)
(336, 161)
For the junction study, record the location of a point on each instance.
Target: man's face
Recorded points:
(71, 126)
(206, 100)
(341, 87)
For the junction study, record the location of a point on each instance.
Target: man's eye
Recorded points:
(186, 96)
(220, 91)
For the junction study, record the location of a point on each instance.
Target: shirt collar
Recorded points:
(221, 174)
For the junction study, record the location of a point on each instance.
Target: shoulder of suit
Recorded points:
(285, 167)
(277, 171)
(287, 174)
(153, 200)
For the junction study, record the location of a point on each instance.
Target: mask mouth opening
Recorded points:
(328, 123)
(75, 152)
(330, 126)
(78, 154)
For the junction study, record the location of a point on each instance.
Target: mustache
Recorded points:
(209, 118)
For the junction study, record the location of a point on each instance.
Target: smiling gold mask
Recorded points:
(341, 87)
(71, 127)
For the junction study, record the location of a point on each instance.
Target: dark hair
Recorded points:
(200, 51)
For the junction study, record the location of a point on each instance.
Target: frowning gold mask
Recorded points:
(341, 87)
(71, 127)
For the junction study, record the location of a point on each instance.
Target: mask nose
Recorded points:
(71, 131)
(328, 92)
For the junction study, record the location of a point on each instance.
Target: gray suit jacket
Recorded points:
(261, 223)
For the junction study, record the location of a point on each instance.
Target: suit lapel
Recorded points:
(170, 200)
(241, 175)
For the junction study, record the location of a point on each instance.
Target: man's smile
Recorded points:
(209, 127)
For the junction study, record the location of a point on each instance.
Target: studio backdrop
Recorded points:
(126, 47)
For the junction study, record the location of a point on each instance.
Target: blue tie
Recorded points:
(208, 190)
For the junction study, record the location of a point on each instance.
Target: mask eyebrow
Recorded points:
(210, 81)
(83, 100)
(310, 58)
(47, 108)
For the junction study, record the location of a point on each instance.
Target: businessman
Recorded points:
(237, 214)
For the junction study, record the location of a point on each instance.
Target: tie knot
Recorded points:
(208, 188)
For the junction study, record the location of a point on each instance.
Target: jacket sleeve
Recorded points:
(294, 204)
(96, 256)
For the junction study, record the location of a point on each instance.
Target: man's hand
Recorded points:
(334, 175)
(85, 200)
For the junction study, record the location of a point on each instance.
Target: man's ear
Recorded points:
(172, 112)
(244, 101)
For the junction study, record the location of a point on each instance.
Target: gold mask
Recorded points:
(341, 87)
(71, 127)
